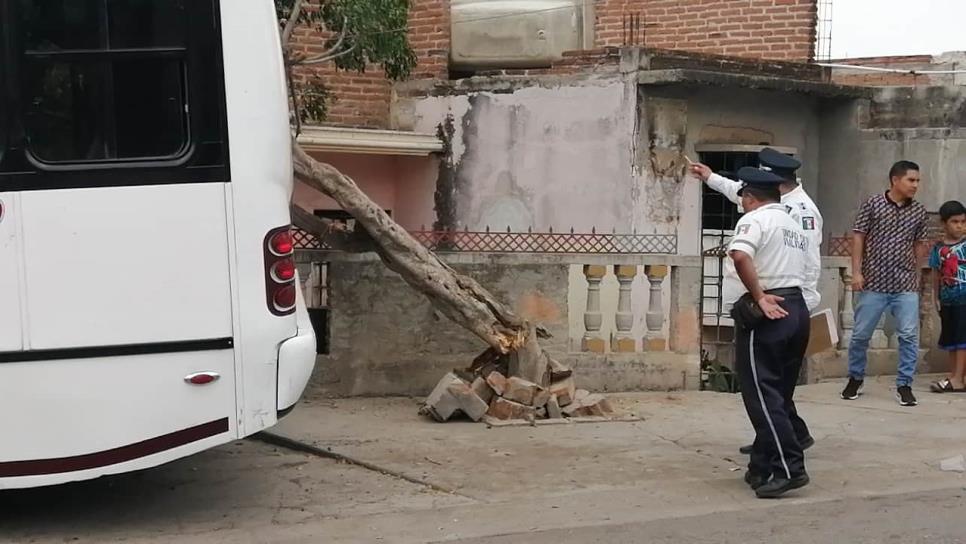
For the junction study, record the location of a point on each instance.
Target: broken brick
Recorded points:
(565, 390)
(502, 408)
(482, 390)
(589, 405)
(558, 370)
(541, 397)
(497, 381)
(469, 403)
(523, 391)
(553, 408)
(441, 403)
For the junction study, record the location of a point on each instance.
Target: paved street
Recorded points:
(673, 477)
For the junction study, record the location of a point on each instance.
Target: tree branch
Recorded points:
(291, 23)
(326, 58)
(335, 235)
(458, 297)
(331, 53)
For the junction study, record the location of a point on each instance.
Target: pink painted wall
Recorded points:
(405, 185)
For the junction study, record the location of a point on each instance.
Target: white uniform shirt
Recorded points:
(804, 211)
(778, 246)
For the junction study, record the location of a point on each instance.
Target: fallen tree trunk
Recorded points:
(458, 297)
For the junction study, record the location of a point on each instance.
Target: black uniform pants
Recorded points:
(768, 360)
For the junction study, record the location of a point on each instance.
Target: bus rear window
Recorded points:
(67, 25)
(104, 79)
(110, 93)
(104, 110)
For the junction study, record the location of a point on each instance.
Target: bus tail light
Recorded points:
(280, 271)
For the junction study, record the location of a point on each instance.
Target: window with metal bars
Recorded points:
(96, 86)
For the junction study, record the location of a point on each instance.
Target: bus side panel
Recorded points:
(260, 148)
(126, 265)
(90, 414)
(11, 289)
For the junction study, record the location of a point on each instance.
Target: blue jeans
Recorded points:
(868, 311)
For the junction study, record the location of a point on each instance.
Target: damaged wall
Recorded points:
(680, 118)
(534, 155)
(862, 139)
(386, 339)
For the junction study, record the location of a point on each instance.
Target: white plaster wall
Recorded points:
(541, 157)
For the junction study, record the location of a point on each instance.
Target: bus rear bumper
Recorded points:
(296, 360)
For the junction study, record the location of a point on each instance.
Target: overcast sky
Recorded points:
(871, 28)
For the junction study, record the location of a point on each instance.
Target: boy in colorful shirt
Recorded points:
(948, 260)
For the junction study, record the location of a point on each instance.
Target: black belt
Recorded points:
(785, 291)
(746, 312)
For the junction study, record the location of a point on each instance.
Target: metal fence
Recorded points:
(524, 242)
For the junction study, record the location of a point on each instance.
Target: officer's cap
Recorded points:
(779, 163)
(756, 177)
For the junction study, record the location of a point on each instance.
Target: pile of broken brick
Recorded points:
(486, 393)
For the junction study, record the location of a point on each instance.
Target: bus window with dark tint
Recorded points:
(104, 80)
(59, 25)
(105, 110)
(146, 23)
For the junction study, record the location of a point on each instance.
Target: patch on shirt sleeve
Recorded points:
(742, 229)
(808, 223)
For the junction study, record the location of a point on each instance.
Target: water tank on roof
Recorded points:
(517, 33)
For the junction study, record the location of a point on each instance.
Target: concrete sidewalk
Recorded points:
(681, 460)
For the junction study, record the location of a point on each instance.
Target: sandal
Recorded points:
(945, 386)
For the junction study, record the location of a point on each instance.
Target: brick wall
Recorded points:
(362, 99)
(767, 29)
(770, 29)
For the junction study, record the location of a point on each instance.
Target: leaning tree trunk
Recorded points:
(458, 297)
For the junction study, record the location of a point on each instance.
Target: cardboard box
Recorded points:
(824, 333)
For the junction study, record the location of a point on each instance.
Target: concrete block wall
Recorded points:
(386, 339)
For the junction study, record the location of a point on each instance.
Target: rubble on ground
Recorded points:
(489, 390)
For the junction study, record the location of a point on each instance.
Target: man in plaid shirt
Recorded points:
(889, 240)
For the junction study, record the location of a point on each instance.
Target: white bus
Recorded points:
(149, 302)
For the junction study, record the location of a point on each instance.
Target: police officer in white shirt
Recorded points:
(803, 210)
(763, 290)
(798, 204)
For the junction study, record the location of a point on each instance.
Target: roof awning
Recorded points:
(368, 141)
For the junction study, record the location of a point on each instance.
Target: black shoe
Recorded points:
(905, 397)
(853, 389)
(806, 443)
(778, 486)
(754, 479)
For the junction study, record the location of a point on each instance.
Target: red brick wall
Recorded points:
(769, 29)
(362, 99)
